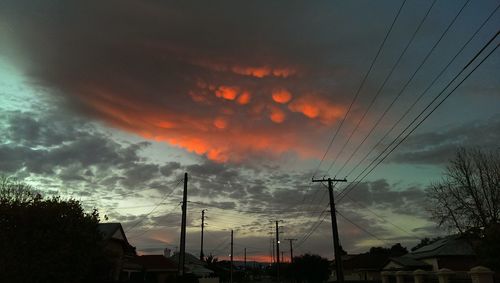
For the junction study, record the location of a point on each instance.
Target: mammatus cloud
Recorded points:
(229, 97)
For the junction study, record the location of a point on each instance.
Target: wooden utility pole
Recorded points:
(202, 256)
(182, 253)
(273, 257)
(231, 255)
(336, 242)
(245, 259)
(291, 248)
(277, 251)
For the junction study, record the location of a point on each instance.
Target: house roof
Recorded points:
(156, 262)
(114, 231)
(189, 259)
(365, 262)
(449, 246)
(109, 230)
(409, 262)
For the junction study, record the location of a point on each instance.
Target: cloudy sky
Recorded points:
(110, 102)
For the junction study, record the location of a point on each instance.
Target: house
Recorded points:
(155, 269)
(452, 252)
(194, 265)
(119, 251)
(363, 266)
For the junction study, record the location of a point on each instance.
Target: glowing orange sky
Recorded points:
(227, 122)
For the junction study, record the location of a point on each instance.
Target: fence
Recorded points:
(478, 274)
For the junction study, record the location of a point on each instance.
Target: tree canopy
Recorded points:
(310, 268)
(468, 196)
(395, 250)
(47, 239)
(424, 242)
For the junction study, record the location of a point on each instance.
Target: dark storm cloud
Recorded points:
(169, 168)
(438, 147)
(254, 71)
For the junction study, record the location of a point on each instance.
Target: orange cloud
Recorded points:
(165, 124)
(283, 72)
(277, 115)
(315, 107)
(264, 71)
(244, 98)
(227, 92)
(207, 131)
(281, 96)
(258, 72)
(220, 123)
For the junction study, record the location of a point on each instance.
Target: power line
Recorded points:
(381, 218)
(348, 188)
(147, 230)
(360, 87)
(152, 210)
(403, 90)
(382, 86)
(421, 94)
(360, 228)
(313, 228)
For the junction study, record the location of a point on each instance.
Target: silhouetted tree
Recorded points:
(395, 250)
(398, 250)
(488, 248)
(424, 242)
(468, 197)
(210, 259)
(467, 200)
(310, 268)
(47, 240)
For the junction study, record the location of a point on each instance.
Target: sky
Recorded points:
(111, 102)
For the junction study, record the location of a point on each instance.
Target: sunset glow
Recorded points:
(282, 96)
(112, 102)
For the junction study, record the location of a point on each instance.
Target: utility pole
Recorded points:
(231, 276)
(277, 250)
(245, 259)
(202, 256)
(336, 242)
(273, 258)
(291, 248)
(182, 253)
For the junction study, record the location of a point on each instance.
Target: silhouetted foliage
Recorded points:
(210, 259)
(47, 240)
(424, 242)
(488, 248)
(467, 200)
(395, 250)
(310, 268)
(468, 197)
(398, 250)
